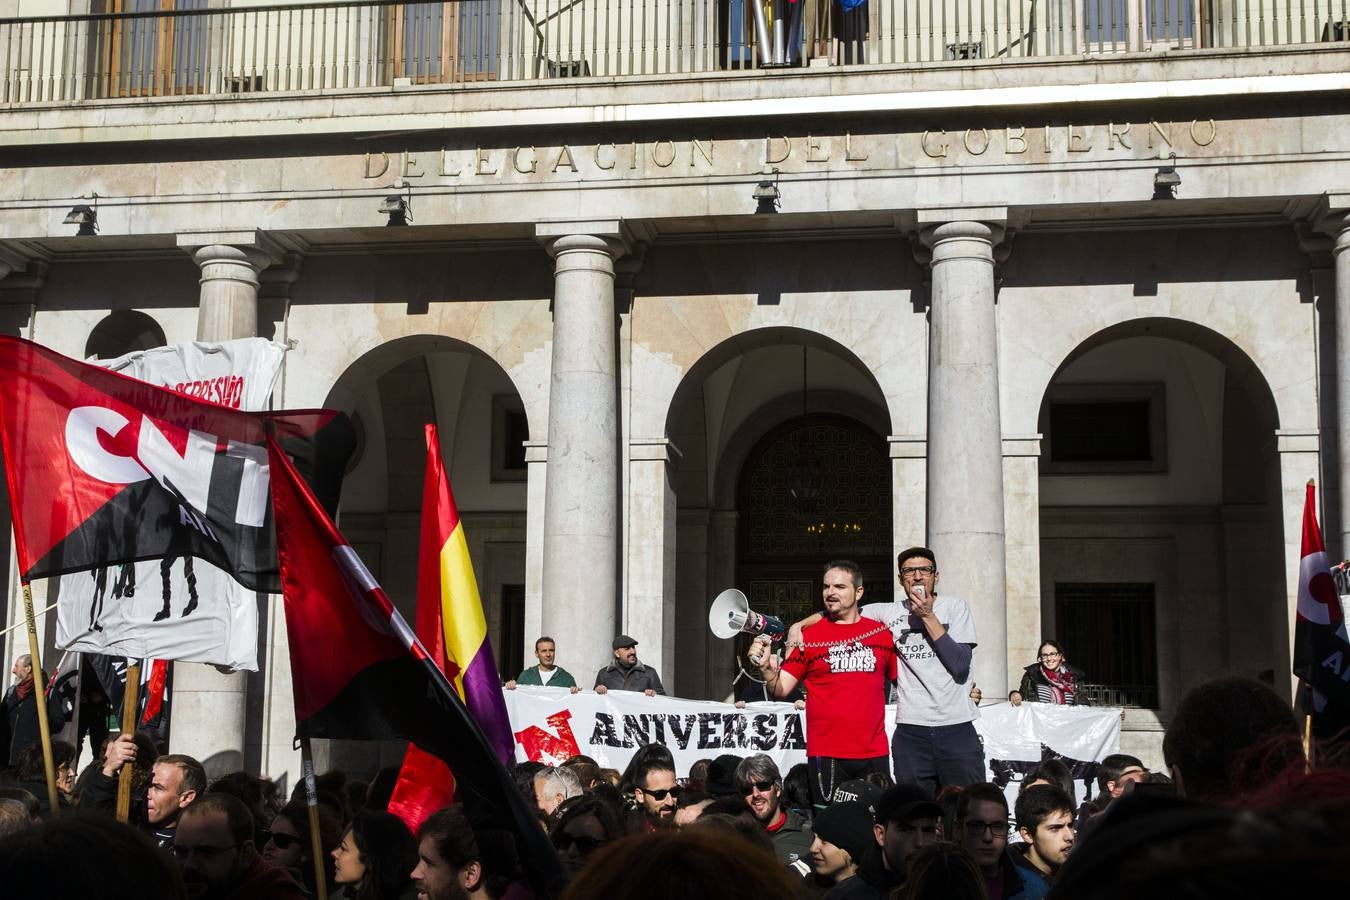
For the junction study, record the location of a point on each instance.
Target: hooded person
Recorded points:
(842, 836)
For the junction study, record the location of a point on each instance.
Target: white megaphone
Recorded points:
(731, 615)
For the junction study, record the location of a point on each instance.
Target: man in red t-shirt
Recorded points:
(845, 664)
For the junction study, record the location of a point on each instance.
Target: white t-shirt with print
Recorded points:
(926, 692)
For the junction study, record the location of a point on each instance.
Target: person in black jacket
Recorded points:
(625, 673)
(21, 713)
(1050, 679)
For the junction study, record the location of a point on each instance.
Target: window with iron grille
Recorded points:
(814, 489)
(1108, 631)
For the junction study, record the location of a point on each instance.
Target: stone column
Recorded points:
(649, 615)
(1022, 524)
(965, 441)
(210, 708)
(1340, 251)
(536, 481)
(229, 291)
(581, 505)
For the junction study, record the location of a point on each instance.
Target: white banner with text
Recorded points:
(551, 725)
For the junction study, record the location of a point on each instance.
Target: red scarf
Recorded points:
(25, 688)
(1062, 686)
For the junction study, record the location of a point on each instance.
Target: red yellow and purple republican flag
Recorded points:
(451, 625)
(360, 673)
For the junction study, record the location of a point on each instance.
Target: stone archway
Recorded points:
(391, 392)
(742, 393)
(813, 489)
(1161, 553)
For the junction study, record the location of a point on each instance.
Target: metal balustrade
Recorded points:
(1131, 696)
(194, 50)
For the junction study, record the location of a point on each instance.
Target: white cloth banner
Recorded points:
(176, 608)
(551, 724)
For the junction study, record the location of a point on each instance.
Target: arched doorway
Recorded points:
(815, 488)
(1162, 556)
(391, 393)
(741, 413)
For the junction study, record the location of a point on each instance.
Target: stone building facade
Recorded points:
(687, 327)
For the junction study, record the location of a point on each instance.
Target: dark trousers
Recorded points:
(825, 773)
(936, 756)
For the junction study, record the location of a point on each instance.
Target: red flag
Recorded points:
(359, 672)
(104, 469)
(1321, 647)
(155, 690)
(451, 624)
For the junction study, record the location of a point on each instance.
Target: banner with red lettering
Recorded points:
(551, 725)
(105, 471)
(96, 607)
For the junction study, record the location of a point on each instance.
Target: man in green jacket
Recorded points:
(546, 673)
(761, 785)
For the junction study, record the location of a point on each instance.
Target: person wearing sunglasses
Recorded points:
(286, 843)
(982, 828)
(582, 825)
(761, 785)
(655, 794)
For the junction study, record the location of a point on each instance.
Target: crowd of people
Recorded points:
(1242, 808)
(1240, 813)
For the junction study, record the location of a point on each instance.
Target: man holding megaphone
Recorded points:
(934, 742)
(845, 662)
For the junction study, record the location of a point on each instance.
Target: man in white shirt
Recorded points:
(935, 742)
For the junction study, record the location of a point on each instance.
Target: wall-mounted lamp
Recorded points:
(398, 207)
(85, 216)
(1166, 181)
(766, 193)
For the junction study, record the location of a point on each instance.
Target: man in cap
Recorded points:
(906, 819)
(625, 673)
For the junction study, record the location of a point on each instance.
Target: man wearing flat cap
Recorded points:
(625, 673)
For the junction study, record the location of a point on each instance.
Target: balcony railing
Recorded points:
(1132, 696)
(193, 50)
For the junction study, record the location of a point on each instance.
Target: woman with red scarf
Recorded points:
(1051, 680)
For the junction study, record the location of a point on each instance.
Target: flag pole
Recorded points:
(40, 698)
(17, 625)
(75, 711)
(312, 802)
(1307, 744)
(129, 704)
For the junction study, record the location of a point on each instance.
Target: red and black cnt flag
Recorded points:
(359, 672)
(1321, 645)
(106, 469)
